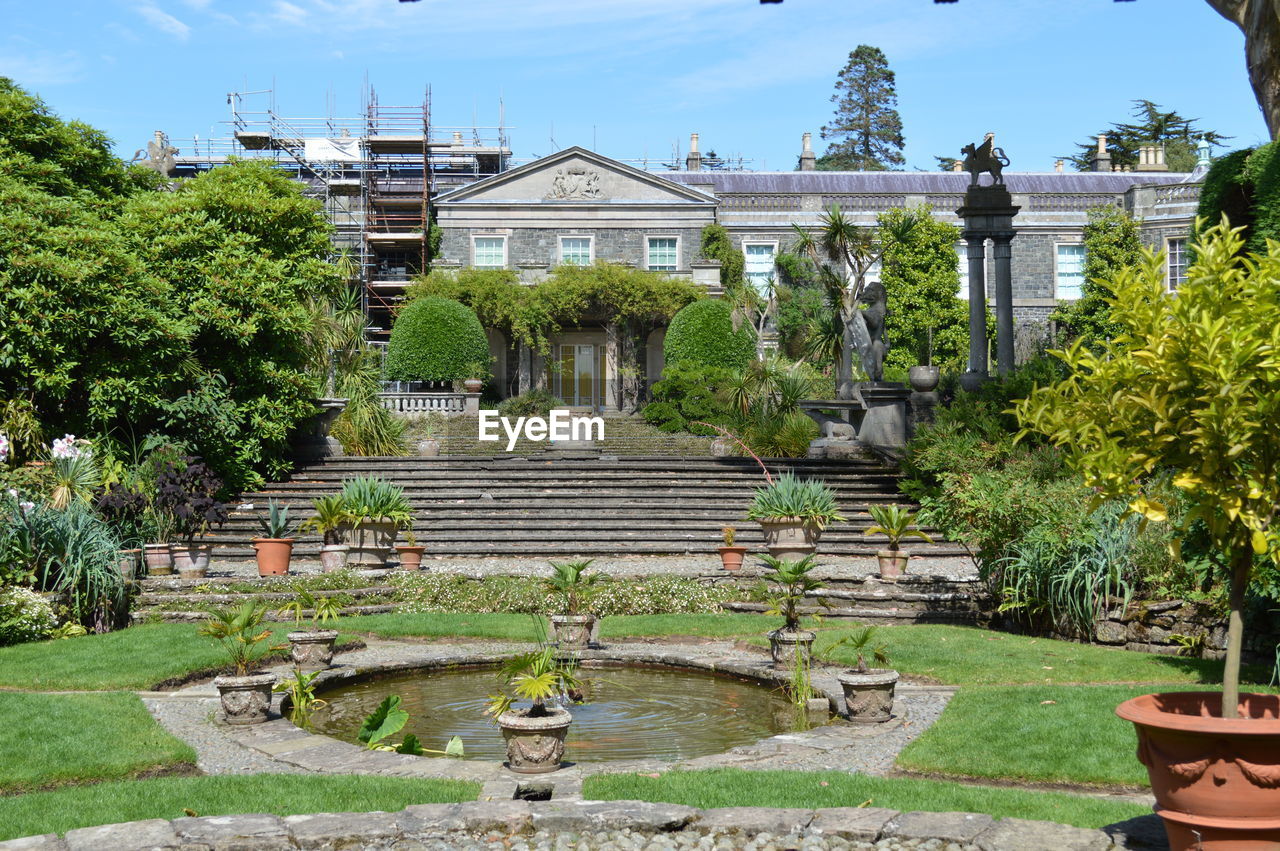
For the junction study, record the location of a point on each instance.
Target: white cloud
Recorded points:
(289, 13)
(165, 22)
(41, 68)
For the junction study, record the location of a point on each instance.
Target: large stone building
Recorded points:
(577, 206)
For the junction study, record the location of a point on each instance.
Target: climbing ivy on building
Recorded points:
(1245, 187)
(716, 245)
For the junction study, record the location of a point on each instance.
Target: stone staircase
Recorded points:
(623, 435)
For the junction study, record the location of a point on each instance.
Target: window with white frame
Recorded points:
(489, 252)
(1069, 279)
(664, 254)
(575, 250)
(760, 266)
(1176, 263)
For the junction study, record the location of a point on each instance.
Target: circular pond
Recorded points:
(628, 712)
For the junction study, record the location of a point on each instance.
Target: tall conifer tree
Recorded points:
(866, 129)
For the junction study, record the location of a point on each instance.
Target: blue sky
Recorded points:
(632, 78)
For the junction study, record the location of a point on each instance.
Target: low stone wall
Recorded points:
(602, 825)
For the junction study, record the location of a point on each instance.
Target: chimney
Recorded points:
(957, 166)
(1101, 159)
(1151, 158)
(1058, 166)
(807, 159)
(1203, 153)
(693, 162)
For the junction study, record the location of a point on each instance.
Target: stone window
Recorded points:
(575, 250)
(1069, 275)
(760, 268)
(664, 254)
(489, 252)
(1176, 263)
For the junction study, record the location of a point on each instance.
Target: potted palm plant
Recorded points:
(410, 551)
(784, 588)
(792, 512)
(377, 509)
(730, 556)
(330, 514)
(1189, 386)
(868, 692)
(245, 697)
(572, 627)
(534, 734)
(895, 523)
(275, 547)
(311, 649)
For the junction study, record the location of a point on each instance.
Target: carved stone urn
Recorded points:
(1216, 780)
(312, 650)
(790, 538)
(572, 632)
(314, 442)
(535, 745)
(868, 696)
(245, 700)
(786, 646)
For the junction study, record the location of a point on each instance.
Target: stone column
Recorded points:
(612, 380)
(524, 359)
(1003, 256)
(977, 305)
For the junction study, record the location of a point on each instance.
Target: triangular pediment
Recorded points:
(574, 176)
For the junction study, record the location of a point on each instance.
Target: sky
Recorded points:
(633, 78)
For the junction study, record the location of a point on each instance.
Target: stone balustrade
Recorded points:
(417, 404)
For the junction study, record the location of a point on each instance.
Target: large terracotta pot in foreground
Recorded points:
(1216, 780)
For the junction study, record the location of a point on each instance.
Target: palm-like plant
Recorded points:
(370, 499)
(895, 523)
(859, 642)
(331, 513)
(536, 676)
(239, 631)
(786, 586)
(323, 609)
(570, 579)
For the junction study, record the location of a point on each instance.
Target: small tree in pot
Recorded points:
(187, 490)
(895, 523)
(1192, 385)
(792, 512)
(312, 649)
(572, 628)
(410, 551)
(330, 515)
(868, 692)
(535, 735)
(731, 556)
(275, 547)
(246, 698)
(785, 587)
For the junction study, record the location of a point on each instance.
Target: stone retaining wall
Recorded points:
(601, 825)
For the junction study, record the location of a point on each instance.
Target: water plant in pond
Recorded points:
(302, 696)
(538, 676)
(389, 719)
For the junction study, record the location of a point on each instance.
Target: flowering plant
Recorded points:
(4, 447)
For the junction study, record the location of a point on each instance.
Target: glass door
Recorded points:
(574, 374)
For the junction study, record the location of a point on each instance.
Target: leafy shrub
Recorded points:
(534, 403)
(529, 595)
(188, 492)
(24, 616)
(435, 339)
(690, 393)
(1227, 191)
(703, 334)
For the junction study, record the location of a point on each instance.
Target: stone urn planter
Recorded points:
(923, 379)
(572, 632)
(312, 650)
(1216, 780)
(411, 557)
(785, 646)
(370, 543)
(428, 447)
(535, 745)
(333, 557)
(731, 557)
(127, 564)
(245, 700)
(893, 563)
(158, 558)
(790, 538)
(191, 560)
(868, 697)
(273, 555)
(473, 385)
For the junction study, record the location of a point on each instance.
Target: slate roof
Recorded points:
(913, 183)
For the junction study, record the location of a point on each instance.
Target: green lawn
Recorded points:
(283, 794)
(729, 787)
(49, 739)
(139, 657)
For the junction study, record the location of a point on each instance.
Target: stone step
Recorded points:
(481, 546)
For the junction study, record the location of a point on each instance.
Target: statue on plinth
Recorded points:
(160, 157)
(868, 329)
(985, 157)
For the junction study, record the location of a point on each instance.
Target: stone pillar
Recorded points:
(693, 162)
(471, 404)
(612, 380)
(524, 359)
(977, 305)
(1003, 256)
(808, 161)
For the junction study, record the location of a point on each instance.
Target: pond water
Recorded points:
(629, 712)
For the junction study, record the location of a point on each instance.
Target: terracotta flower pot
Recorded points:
(333, 557)
(893, 563)
(572, 632)
(1216, 780)
(158, 558)
(535, 745)
(731, 557)
(790, 538)
(411, 557)
(473, 385)
(245, 700)
(786, 645)
(273, 555)
(191, 560)
(868, 697)
(312, 651)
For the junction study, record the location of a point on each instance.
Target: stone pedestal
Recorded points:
(988, 213)
(884, 423)
(921, 408)
(315, 443)
(471, 404)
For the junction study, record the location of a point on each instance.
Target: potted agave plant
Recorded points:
(311, 649)
(894, 522)
(245, 697)
(730, 556)
(410, 551)
(377, 509)
(275, 547)
(572, 628)
(330, 514)
(868, 692)
(784, 589)
(535, 734)
(792, 512)
(1192, 389)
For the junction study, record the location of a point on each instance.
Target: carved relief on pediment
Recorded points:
(575, 183)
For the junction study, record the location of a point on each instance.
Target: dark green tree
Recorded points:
(1111, 243)
(716, 245)
(866, 131)
(1153, 126)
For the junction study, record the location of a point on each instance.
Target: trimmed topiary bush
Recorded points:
(435, 339)
(702, 334)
